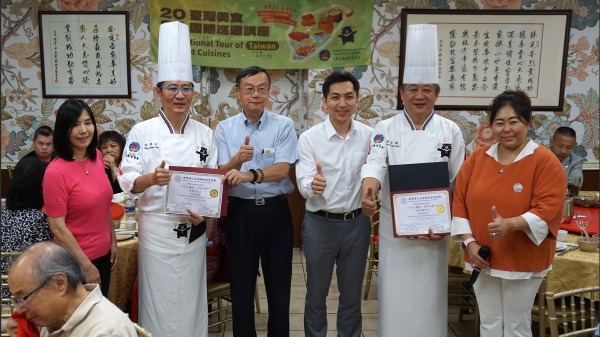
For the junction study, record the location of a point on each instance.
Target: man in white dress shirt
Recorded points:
(335, 232)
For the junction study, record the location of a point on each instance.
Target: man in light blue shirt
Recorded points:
(562, 144)
(258, 148)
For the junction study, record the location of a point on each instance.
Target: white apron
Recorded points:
(172, 272)
(413, 274)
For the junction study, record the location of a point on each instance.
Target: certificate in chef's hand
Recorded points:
(198, 189)
(414, 213)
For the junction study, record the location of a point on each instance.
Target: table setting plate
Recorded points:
(118, 198)
(560, 246)
(124, 236)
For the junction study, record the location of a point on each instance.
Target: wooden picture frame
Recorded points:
(484, 52)
(85, 54)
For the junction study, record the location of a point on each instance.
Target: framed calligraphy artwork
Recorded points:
(85, 54)
(483, 53)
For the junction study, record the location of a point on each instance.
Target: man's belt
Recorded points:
(340, 216)
(257, 202)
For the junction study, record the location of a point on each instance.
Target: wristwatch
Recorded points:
(465, 243)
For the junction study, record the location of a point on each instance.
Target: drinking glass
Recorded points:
(583, 219)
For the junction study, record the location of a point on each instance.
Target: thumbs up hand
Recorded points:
(246, 151)
(499, 226)
(368, 204)
(161, 176)
(319, 182)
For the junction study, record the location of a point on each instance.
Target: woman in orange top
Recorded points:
(509, 196)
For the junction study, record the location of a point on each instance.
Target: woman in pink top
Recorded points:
(78, 196)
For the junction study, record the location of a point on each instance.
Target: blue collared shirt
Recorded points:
(274, 140)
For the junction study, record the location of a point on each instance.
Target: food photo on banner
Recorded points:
(283, 34)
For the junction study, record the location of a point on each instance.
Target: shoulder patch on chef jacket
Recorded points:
(134, 147)
(378, 138)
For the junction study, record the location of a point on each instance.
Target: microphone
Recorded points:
(485, 252)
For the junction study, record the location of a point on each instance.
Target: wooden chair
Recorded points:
(9, 168)
(461, 294)
(373, 253)
(577, 314)
(7, 306)
(219, 294)
(141, 331)
(539, 313)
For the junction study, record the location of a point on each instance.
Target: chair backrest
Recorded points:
(9, 168)
(538, 311)
(7, 306)
(373, 259)
(141, 331)
(574, 312)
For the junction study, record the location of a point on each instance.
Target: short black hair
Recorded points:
(25, 188)
(68, 114)
(43, 130)
(517, 99)
(565, 131)
(339, 77)
(250, 71)
(115, 137)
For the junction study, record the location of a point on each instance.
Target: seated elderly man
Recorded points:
(45, 283)
(562, 144)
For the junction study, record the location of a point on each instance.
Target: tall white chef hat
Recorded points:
(174, 52)
(421, 61)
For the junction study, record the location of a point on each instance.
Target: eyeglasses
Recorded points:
(172, 90)
(251, 90)
(22, 301)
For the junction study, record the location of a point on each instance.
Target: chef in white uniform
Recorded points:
(413, 272)
(172, 270)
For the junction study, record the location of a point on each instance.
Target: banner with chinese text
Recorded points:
(278, 34)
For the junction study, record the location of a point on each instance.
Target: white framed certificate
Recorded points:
(198, 189)
(415, 212)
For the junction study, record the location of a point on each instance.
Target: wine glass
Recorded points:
(583, 219)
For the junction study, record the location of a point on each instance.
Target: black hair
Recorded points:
(25, 188)
(68, 114)
(565, 131)
(43, 130)
(517, 100)
(115, 137)
(251, 71)
(337, 77)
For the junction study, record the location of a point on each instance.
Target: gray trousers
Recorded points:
(327, 243)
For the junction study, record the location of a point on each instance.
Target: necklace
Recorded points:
(82, 165)
(503, 167)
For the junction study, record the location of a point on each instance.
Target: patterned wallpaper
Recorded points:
(293, 92)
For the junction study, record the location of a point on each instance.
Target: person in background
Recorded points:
(112, 144)
(43, 148)
(519, 220)
(258, 148)
(413, 274)
(562, 144)
(23, 222)
(47, 290)
(77, 196)
(334, 233)
(172, 269)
